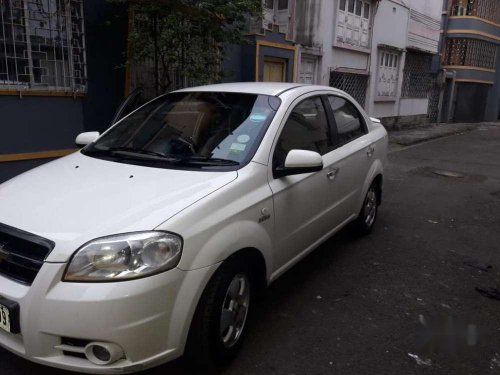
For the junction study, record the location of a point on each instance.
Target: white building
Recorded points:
(378, 51)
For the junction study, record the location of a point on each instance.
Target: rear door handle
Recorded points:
(370, 151)
(332, 174)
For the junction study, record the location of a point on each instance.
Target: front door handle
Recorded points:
(370, 151)
(332, 174)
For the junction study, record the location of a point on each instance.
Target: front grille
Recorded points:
(22, 254)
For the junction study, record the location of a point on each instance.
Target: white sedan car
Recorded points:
(152, 240)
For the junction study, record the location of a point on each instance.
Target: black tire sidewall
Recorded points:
(206, 345)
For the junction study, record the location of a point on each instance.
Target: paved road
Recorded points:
(372, 305)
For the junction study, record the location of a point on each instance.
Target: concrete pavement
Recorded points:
(424, 133)
(400, 301)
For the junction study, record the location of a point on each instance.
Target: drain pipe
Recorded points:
(445, 76)
(453, 75)
(442, 84)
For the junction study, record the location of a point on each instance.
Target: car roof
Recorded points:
(261, 88)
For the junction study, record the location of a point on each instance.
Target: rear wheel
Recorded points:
(368, 214)
(219, 323)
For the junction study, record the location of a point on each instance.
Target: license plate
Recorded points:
(4, 318)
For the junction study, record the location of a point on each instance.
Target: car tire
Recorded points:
(219, 323)
(368, 213)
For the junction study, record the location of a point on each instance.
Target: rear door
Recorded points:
(351, 158)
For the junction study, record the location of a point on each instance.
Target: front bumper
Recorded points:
(149, 318)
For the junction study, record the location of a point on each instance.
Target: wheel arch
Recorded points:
(375, 174)
(378, 181)
(257, 263)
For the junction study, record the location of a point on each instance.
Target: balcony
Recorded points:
(484, 9)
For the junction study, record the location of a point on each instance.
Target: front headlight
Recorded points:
(125, 257)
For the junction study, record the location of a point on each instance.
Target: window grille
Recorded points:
(416, 75)
(487, 9)
(42, 45)
(353, 84)
(470, 52)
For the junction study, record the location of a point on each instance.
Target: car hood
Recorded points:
(78, 198)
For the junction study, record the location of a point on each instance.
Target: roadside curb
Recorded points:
(415, 136)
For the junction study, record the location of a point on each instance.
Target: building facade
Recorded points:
(380, 52)
(405, 41)
(63, 63)
(470, 50)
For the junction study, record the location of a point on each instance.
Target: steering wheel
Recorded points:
(187, 142)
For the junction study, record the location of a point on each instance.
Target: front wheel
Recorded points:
(368, 214)
(219, 323)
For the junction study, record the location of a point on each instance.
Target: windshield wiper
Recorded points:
(193, 160)
(203, 160)
(138, 151)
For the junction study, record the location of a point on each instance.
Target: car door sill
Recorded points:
(304, 253)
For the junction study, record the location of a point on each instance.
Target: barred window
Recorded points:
(353, 84)
(487, 9)
(417, 75)
(42, 45)
(470, 52)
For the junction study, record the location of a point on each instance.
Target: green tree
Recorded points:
(184, 39)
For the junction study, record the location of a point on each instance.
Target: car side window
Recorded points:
(305, 129)
(347, 120)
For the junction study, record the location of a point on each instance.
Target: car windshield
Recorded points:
(190, 130)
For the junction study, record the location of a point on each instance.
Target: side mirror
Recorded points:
(83, 139)
(299, 162)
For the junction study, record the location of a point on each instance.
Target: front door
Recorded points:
(300, 201)
(274, 70)
(307, 70)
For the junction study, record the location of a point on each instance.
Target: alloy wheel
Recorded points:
(370, 208)
(235, 310)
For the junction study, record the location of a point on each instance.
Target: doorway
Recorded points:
(274, 69)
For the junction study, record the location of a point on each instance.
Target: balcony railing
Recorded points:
(486, 9)
(470, 52)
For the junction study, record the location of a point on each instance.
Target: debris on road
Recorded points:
(492, 293)
(444, 285)
(495, 362)
(433, 221)
(421, 319)
(420, 362)
(444, 173)
(478, 266)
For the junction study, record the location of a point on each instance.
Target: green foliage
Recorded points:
(184, 39)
